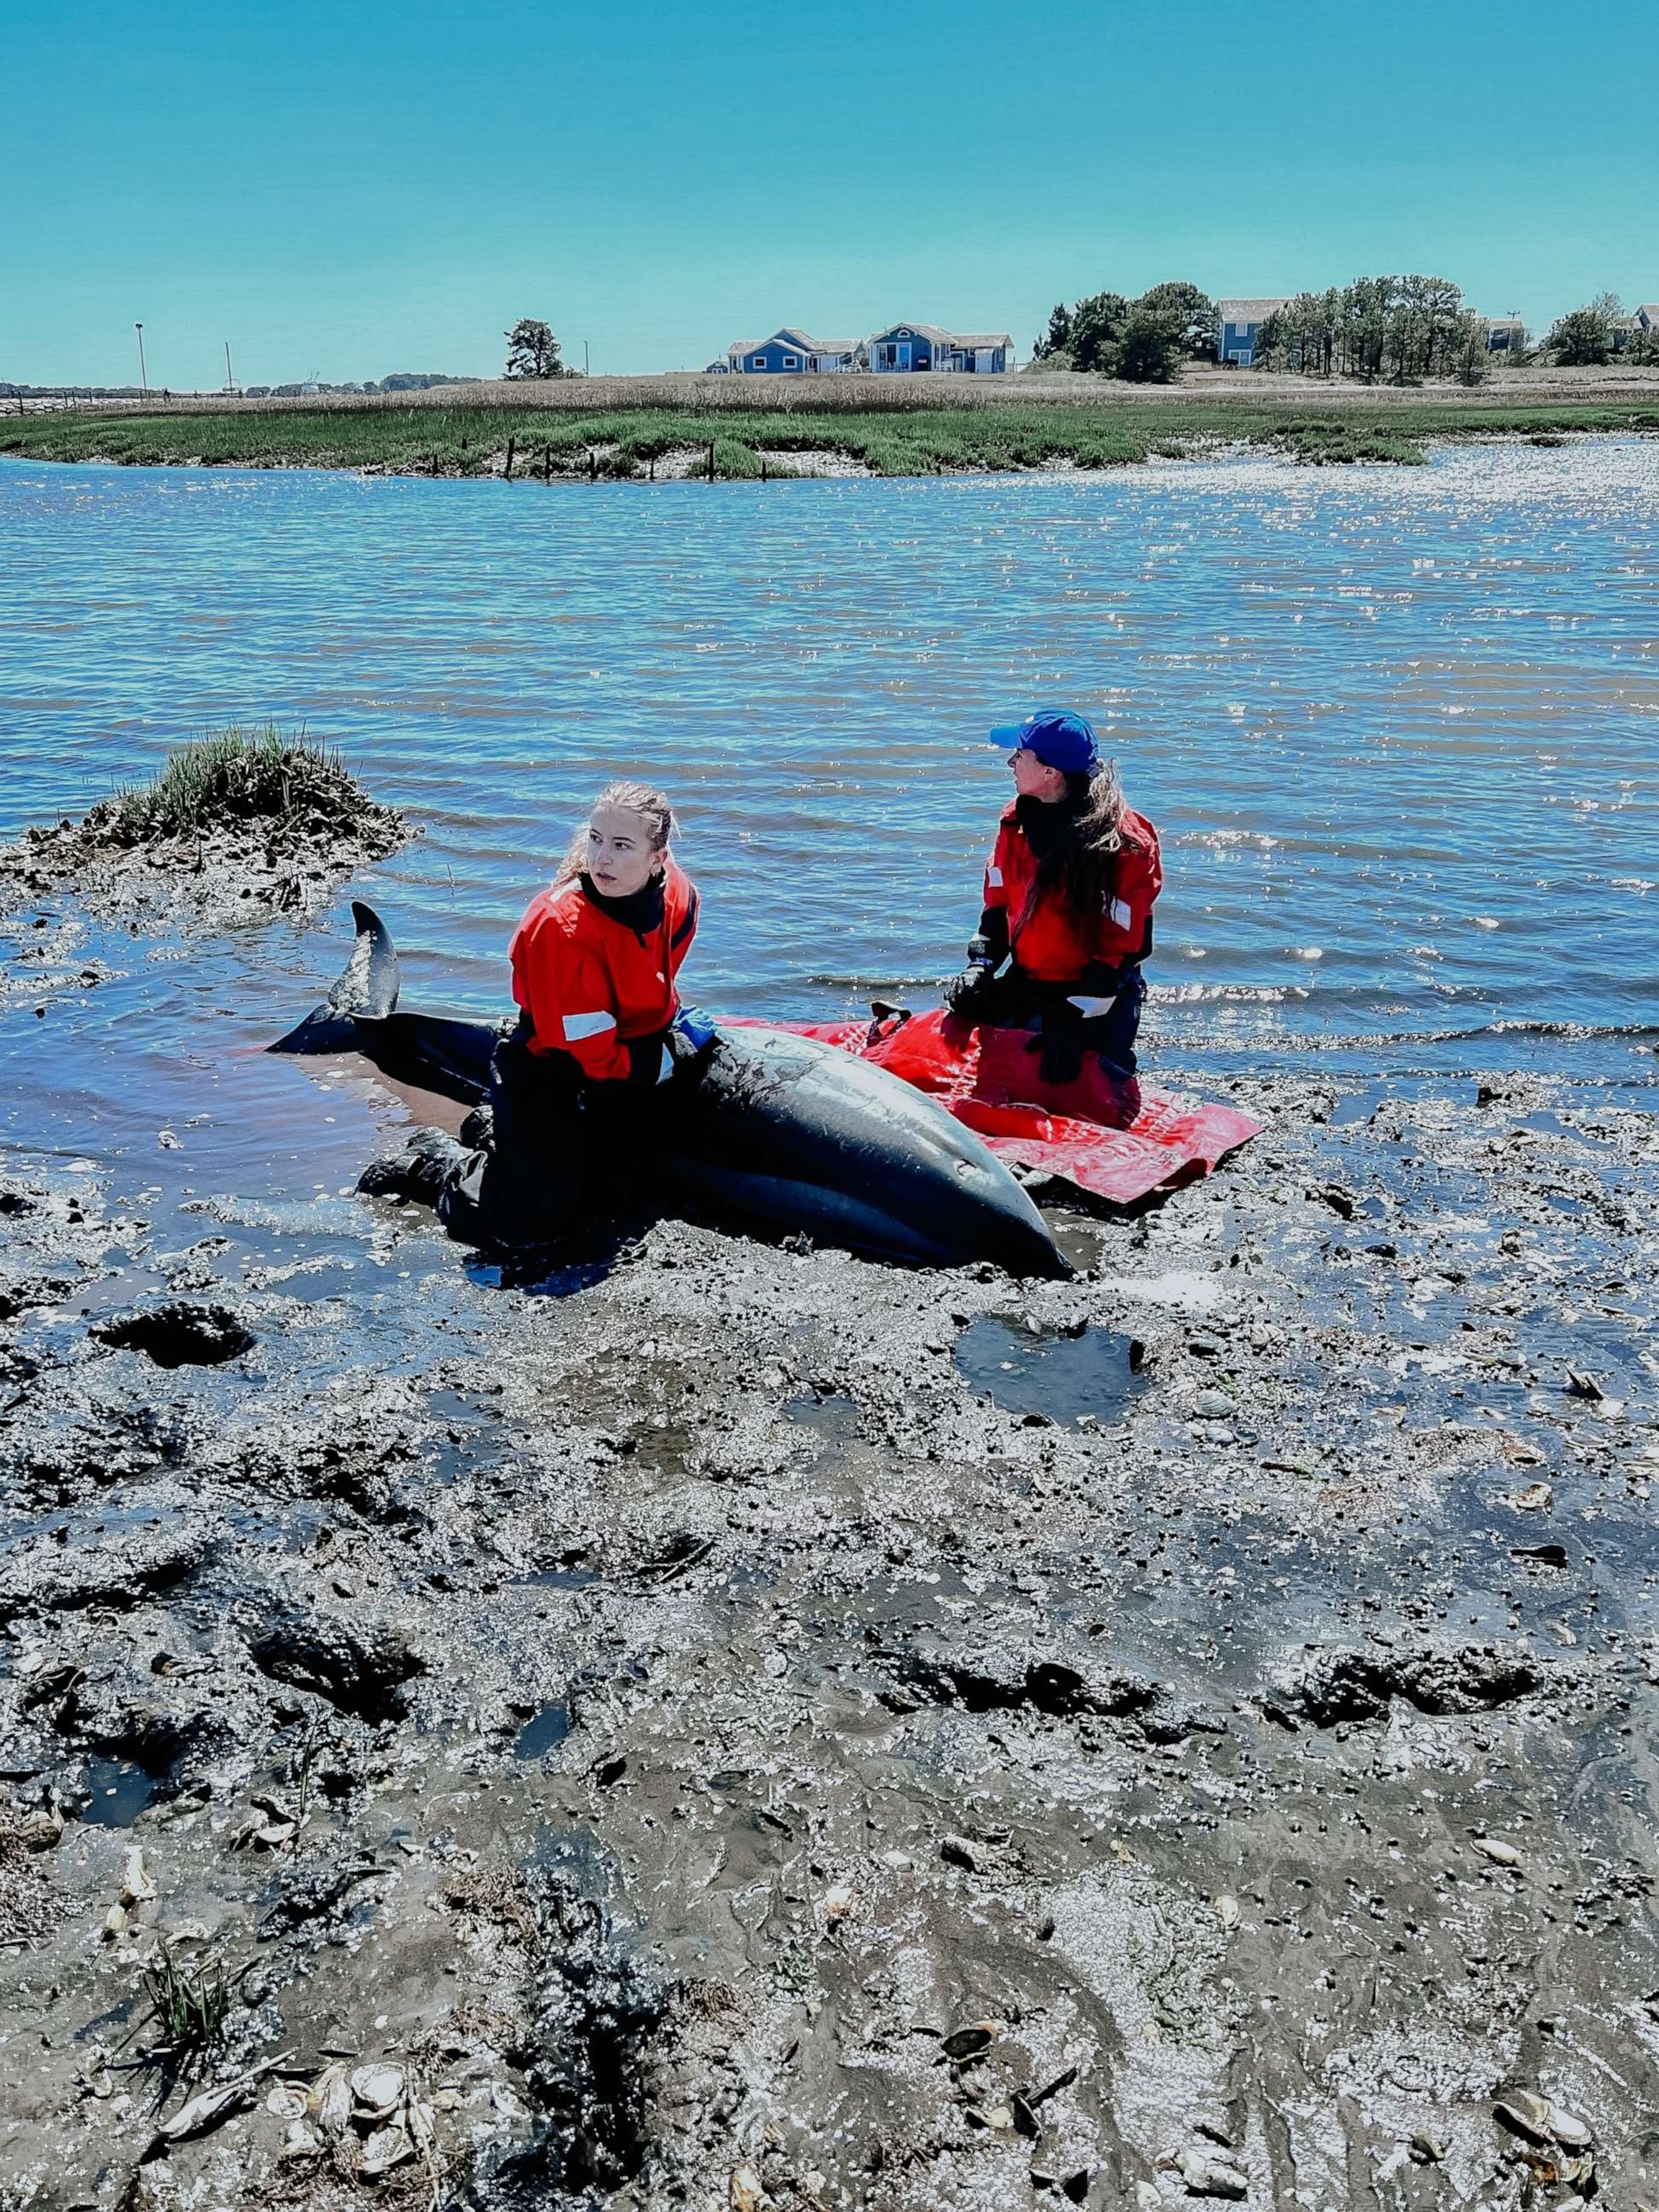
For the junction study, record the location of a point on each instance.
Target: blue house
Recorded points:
(1241, 320)
(905, 349)
(789, 352)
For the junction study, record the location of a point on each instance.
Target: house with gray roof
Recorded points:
(909, 348)
(1647, 315)
(1241, 320)
(789, 352)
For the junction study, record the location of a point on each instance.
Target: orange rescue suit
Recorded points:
(593, 974)
(1054, 943)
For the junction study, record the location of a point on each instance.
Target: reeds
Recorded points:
(233, 773)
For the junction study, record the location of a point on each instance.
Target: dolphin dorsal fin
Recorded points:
(366, 987)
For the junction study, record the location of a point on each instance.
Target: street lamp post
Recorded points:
(144, 380)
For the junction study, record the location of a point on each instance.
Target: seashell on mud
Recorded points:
(386, 2148)
(378, 2090)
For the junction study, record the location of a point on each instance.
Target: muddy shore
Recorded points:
(235, 869)
(734, 1726)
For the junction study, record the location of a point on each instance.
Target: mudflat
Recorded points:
(694, 1729)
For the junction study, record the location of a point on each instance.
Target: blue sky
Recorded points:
(347, 187)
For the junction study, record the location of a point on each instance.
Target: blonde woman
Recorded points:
(575, 1089)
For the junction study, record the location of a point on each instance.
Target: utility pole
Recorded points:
(230, 381)
(584, 366)
(144, 380)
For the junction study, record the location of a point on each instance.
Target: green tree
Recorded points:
(1583, 338)
(1469, 354)
(1096, 325)
(1192, 314)
(1149, 349)
(532, 350)
(1057, 338)
(1362, 333)
(1301, 335)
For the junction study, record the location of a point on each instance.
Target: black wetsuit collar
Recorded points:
(642, 911)
(1045, 822)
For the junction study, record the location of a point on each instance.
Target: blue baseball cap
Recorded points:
(1063, 741)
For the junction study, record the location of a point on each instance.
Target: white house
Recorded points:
(909, 348)
(788, 352)
(1241, 320)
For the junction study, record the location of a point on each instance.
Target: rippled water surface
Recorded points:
(1398, 727)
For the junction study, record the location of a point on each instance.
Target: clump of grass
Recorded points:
(188, 2006)
(235, 774)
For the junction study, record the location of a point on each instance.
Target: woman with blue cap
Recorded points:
(1069, 905)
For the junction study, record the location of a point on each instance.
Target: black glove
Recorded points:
(968, 994)
(1061, 1043)
(965, 994)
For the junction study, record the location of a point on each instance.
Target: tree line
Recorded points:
(1144, 341)
(1591, 335)
(1398, 329)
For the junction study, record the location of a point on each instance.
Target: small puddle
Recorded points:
(119, 1793)
(468, 1433)
(571, 1578)
(835, 1419)
(543, 1732)
(1061, 1376)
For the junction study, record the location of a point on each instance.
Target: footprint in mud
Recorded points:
(1055, 1376)
(546, 1729)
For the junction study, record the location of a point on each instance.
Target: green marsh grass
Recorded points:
(569, 441)
(233, 773)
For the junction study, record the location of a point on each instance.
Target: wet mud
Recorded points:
(737, 1726)
(235, 866)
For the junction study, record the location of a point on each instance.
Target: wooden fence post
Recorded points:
(711, 460)
(506, 473)
(547, 463)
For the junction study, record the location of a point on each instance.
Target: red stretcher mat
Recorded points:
(1108, 1136)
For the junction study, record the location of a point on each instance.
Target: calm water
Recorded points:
(1398, 728)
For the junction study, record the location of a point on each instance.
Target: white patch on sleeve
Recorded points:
(994, 876)
(577, 1026)
(1121, 914)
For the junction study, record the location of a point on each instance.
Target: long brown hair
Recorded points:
(637, 798)
(1082, 862)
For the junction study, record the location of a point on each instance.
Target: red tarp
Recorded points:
(1109, 1137)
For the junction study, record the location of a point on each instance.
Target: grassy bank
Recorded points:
(561, 441)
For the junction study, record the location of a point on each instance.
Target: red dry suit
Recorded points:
(1054, 943)
(592, 974)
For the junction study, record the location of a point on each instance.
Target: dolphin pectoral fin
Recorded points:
(366, 987)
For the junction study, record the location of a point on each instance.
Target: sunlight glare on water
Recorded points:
(1397, 727)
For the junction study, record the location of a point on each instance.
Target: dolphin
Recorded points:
(776, 1127)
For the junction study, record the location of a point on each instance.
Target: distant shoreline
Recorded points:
(733, 428)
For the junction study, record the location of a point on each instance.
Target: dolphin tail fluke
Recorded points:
(365, 990)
